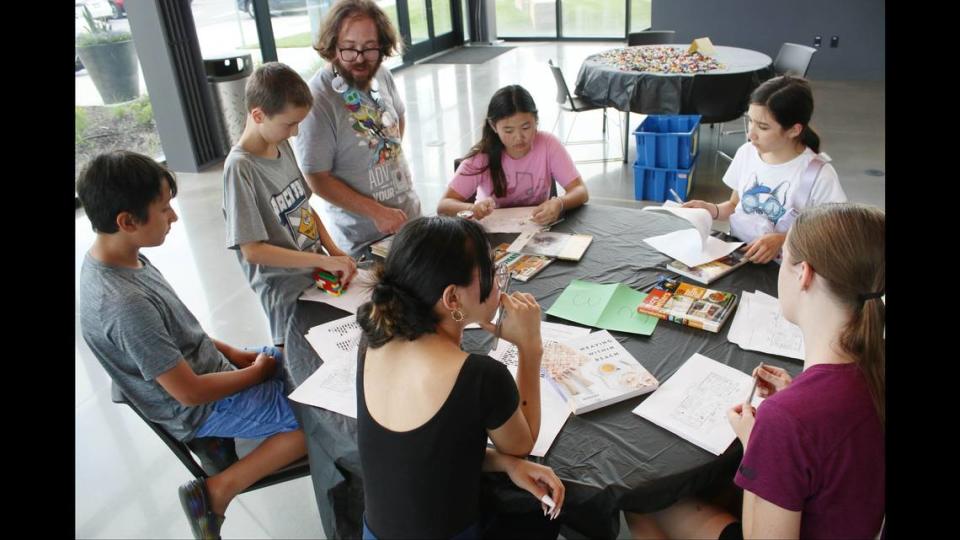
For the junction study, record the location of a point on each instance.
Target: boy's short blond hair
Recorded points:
(273, 86)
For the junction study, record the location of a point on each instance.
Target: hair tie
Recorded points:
(869, 296)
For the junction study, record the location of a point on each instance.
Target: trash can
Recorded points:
(227, 75)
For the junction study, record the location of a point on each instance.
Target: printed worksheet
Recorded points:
(692, 247)
(759, 325)
(506, 352)
(336, 339)
(693, 402)
(333, 386)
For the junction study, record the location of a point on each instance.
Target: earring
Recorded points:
(338, 84)
(457, 315)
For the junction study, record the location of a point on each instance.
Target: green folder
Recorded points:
(611, 306)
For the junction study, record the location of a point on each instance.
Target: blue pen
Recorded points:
(676, 197)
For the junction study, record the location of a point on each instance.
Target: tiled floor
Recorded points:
(126, 478)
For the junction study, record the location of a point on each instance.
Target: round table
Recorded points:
(609, 459)
(655, 92)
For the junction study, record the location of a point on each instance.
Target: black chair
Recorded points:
(651, 37)
(571, 103)
(720, 98)
(793, 59)
(456, 165)
(215, 453)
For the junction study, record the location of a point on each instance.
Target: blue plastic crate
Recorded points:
(668, 141)
(653, 184)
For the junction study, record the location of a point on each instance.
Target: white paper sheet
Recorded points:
(701, 219)
(510, 220)
(333, 386)
(694, 401)
(359, 291)
(758, 325)
(337, 339)
(553, 415)
(685, 246)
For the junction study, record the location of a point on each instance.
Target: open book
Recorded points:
(594, 371)
(564, 246)
(688, 304)
(692, 247)
(711, 271)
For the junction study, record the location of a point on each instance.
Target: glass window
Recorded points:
(112, 108)
(596, 18)
(640, 15)
(521, 18)
(442, 17)
(418, 20)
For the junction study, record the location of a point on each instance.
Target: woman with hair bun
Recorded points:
(425, 408)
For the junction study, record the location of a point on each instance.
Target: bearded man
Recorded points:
(349, 147)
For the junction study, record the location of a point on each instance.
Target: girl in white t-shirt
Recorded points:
(778, 172)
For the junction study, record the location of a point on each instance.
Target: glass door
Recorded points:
(431, 26)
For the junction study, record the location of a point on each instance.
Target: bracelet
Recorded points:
(561, 203)
(718, 211)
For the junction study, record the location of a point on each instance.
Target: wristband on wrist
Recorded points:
(561, 203)
(715, 205)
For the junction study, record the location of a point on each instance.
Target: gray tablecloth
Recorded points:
(659, 93)
(609, 459)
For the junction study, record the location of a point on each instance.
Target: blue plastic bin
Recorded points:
(653, 184)
(668, 141)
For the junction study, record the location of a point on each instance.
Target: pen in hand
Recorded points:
(675, 196)
(756, 379)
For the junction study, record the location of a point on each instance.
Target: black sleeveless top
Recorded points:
(425, 483)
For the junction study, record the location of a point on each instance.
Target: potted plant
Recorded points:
(110, 60)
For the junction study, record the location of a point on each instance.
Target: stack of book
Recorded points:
(688, 304)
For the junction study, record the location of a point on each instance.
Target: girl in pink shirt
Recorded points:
(514, 164)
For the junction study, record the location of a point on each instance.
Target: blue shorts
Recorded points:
(259, 411)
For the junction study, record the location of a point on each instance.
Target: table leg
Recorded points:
(626, 134)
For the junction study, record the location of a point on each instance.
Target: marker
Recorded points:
(675, 196)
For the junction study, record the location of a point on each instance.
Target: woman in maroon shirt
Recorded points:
(814, 458)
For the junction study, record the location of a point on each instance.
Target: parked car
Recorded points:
(119, 9)
(276, 6)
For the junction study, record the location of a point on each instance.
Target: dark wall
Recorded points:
(764, 25)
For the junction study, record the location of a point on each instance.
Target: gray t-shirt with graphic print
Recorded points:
(268, 200)
(139, 329)
(345, 134)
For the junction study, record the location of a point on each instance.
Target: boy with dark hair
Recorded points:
(266, 201)
(154, 349)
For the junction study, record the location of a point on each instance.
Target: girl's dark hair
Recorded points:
(506, 102)
(121, 181)
(790, 101)
(427, 255)
(845, 244)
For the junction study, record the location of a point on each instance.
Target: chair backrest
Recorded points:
(215, 453)
(651, 37)
(563, 92)
(721, 97)
(793, 59)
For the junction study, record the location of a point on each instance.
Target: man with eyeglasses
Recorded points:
(349, 144)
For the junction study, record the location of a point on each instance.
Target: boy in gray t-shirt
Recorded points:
(266, 202)
(155, 350)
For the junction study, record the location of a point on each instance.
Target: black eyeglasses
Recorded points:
(349, 55)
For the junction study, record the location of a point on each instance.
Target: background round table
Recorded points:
(609, 459)
(655, 92)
